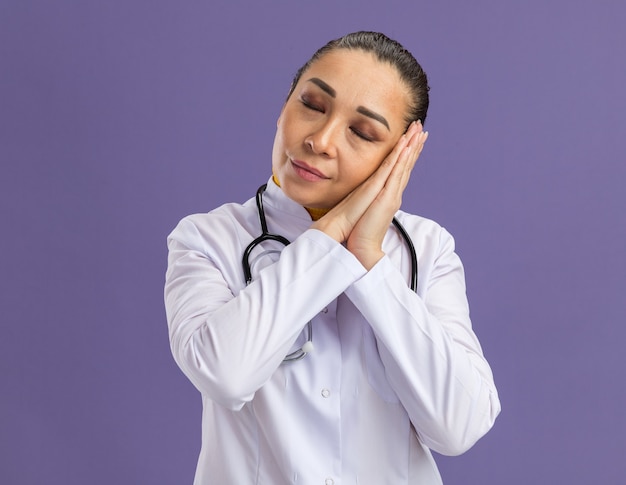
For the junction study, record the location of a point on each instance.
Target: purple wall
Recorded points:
(118, 118)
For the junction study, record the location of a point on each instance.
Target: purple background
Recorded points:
(117, 118)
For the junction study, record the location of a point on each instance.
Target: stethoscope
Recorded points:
(267, 236)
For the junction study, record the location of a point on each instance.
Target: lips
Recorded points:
(306, 171)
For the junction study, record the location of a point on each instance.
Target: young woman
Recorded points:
(317, 361)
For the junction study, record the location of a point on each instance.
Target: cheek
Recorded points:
(374, 160)
(282, 136)
(359, 169)
(277, 149)
(368, 165)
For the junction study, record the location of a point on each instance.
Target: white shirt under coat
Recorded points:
(393, 373)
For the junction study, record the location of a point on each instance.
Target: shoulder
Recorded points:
(203, 230)
(425, 232)
(435, 249)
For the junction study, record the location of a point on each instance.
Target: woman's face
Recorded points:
(344, 116)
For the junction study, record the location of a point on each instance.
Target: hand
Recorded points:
(362, 218)
(366, 238)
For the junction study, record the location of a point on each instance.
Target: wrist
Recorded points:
(369, 259)
(328, 229)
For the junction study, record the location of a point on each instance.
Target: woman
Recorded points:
(376, 374)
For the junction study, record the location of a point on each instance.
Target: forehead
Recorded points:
(360, 79)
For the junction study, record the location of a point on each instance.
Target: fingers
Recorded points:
(372, 187)
(405, 151)
(391, 160)
(399, 176)
(413, 151)
(416, 142)
(366, 237)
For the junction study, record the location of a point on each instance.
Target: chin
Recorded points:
(297, 195)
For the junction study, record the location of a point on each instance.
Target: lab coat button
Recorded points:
(326, 393)
(329, 481)
(325, 310)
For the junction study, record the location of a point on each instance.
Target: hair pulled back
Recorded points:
(386, 50)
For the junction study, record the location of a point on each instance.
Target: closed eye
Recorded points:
(311, 106)
(361, 134)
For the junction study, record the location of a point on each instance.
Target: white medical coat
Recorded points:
(393, 373)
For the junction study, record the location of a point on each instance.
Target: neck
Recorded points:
(313, 212)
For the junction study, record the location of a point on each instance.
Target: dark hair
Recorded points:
(385, 50)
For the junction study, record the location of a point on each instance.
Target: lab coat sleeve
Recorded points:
(229, 342)
(431, 356)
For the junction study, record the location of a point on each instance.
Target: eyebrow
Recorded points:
(361, 109)
(375, 116)
(323, 86)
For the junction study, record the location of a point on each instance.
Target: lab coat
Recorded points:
(393, 374)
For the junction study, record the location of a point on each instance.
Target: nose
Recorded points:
(323, 139)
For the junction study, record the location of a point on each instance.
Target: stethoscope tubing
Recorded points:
(265, 236)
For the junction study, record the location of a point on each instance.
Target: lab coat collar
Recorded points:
(278, 205)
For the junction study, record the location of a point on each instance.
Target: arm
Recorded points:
(228, 345)
(431, 356)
